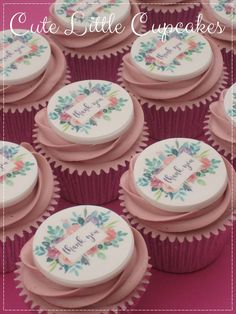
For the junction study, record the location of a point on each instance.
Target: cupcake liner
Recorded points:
(13, 241)
(126, 306)
(180, 119)
(18, 120)
(87, 68)
(230, 155)
(183, 252)
(229, 58)
(97, 64)
(165, 15)
(88, 184)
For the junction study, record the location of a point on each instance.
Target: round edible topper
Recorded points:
(25, 56)
(224, 11)
(90, 112)
(180, 175)
(18, 173)
(177, 55)
(83, 246)
(230, 104)
(86, 16)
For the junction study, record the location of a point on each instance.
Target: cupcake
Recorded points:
(32, 69)
(178, 192)
(28, 194)
(89, 132)
(220, 124)
(223, 12)
(95, 52)
(84, 259)
(175, 75)
(162, 12)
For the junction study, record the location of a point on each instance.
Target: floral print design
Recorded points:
(65, 103)
(226, 6)
(27, 39)
(155, 165)
(56, 234)
(20, 167)
(147, 48)
(67, 9)
(232, 111)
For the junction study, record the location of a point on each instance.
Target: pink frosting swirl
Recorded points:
(39, 88)
(227, 35)
(51, 295)
(187, 90)
(220, 126)
(89, 154)
(166, 221)
(103, 41)
(34, 205)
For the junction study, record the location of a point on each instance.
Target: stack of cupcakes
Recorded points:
(33, 68)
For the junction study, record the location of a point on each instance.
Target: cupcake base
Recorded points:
(94, 69)
(228, 152)
(10, 251)
(90, 189)
(180, 123)
(187, 256)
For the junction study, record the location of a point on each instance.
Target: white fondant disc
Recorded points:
(224, 11)
(180, 175)
(90, 112)
(23, 57)
(179, 56)
(83, 246)
(230, 104)
(18, 173)
(81, 15)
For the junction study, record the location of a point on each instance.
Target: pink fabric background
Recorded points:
(209, 290)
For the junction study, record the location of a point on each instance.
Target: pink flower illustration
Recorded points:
(192, 178)
(53, 253)
(74, 122)
(206, 163)
(99, 114)
(150, 59)
(113, 101)
(18, 165)
(156, 183)
(168, 160)
(111, 234)
(65, 116)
